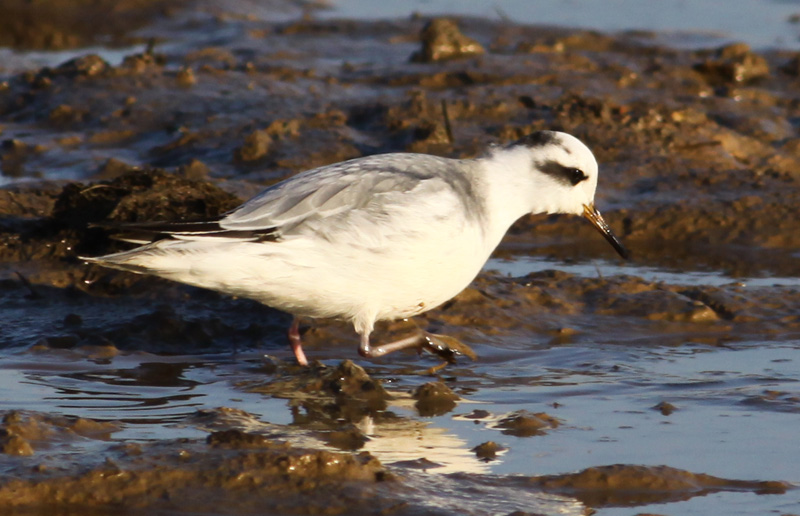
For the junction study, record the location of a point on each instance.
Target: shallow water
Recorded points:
(522, 265)
(732, 404)
(761, 23)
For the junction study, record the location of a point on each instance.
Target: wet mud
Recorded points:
(700, 172)
(82, 23)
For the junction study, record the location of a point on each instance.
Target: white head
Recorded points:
(562, 171)
(554, 172)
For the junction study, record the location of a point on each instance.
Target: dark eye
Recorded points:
(561, 173)
(575, 176)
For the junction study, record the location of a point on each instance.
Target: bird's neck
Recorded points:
(508, 188)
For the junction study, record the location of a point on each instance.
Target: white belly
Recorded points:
(315, 278)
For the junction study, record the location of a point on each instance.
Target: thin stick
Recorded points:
(447, 127)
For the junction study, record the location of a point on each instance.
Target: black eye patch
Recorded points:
(567, 175)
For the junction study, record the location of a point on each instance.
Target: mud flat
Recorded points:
(591, 392)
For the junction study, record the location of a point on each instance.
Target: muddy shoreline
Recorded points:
(700, 172)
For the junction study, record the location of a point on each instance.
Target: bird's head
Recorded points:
(562, 176)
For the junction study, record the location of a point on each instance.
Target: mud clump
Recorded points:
(191, 477)
(23, 432)
(434, 399)
(74, 23)
(666, 408)
(136, 64)
(330, 399)
(660, 305)
(14, 153)
(136, 195)
(350, 379)
(256, 147)
(185, 78)
(442, 40)
(487, 451)
(90, 65)
(237, 439)
(140, 196)
(626, 485)
(526, 424)
(347, 438)
(734, 63)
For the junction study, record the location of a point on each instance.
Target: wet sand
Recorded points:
(626, 392)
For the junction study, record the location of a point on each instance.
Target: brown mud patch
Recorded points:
(627, 485)
(55, 25)
(260, 474)
(23, 432)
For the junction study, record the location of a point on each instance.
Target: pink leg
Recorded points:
(367, 351)
(297, 344)
(442, 346)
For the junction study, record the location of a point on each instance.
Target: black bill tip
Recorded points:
(593, 216)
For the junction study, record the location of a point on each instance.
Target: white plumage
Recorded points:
(381, 237)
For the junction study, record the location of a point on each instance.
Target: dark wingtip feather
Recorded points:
(146, 232)
(201, 226)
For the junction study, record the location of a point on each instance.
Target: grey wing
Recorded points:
(365, 193)
(328, 191)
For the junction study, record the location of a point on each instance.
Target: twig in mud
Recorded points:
(98, 186)
(447, 127)
(34, 294)
(502, 14)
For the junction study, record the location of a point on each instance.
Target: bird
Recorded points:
(381, 237)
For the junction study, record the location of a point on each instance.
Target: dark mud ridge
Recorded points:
(700, 171)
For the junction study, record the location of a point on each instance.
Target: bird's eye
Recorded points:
(576, 175)
(561, 173)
